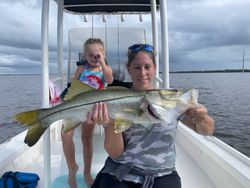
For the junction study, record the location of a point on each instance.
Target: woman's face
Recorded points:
(142, 71)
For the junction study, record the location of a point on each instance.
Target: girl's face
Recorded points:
(142, 71)
(93, 53)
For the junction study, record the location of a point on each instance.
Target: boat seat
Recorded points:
(62, 181)
(121, 83)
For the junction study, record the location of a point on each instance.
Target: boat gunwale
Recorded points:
(219, 153)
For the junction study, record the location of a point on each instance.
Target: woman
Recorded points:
(138, 157)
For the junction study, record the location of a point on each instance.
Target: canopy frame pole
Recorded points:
(60, 59)
(45, 89)
(164, 43)
(155, 40)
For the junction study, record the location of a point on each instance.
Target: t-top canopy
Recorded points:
(108, 6)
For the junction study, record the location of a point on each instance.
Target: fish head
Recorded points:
(165, 104)
(166, 98)
(156, 104)
(170, 98)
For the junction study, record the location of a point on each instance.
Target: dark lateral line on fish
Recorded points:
(83, 105)
(101, 101)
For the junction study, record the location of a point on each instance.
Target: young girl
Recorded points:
(97, 74)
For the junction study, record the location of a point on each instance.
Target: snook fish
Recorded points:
(125, 106)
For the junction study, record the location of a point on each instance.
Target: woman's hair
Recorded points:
(136, 48)
(93, 41)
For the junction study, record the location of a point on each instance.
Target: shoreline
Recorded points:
(192, 71)
(215, 71)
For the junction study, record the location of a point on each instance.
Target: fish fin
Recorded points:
(190, 98)
(122, 125)
(138, 112)
(194, 97)
(27, 118)
(69, 124)
(77, 87)
(34, 133)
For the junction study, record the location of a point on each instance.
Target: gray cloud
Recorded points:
(208, 34)
(202, 34)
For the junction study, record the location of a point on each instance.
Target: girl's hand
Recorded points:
(100, 59)
(107, 71)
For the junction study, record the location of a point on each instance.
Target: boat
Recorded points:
(202, 161)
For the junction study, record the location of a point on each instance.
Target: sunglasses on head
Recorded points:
(138, 47)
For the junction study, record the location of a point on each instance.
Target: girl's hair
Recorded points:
(136, 48)
(93, 41)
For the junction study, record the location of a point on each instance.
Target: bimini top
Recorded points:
(107, 6)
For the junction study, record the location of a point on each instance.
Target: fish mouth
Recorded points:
(152, 112)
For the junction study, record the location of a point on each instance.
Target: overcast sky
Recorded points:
(203, 34)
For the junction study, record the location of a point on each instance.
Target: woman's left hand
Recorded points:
(194, 114)
(201, 121)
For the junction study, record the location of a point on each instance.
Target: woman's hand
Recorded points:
(99, 114)
(199, 120)
(113, 142)
(195, 113)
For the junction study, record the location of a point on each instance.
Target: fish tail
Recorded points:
(34, 133)
(36, 129)
(27, 118)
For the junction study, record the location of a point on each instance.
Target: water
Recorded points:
(18, 93)
(226, 96)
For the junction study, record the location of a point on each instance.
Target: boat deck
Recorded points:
(191, 174)
(201, 161)
(99, 157)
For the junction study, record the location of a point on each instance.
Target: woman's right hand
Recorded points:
(99, 114)
(113, 142)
